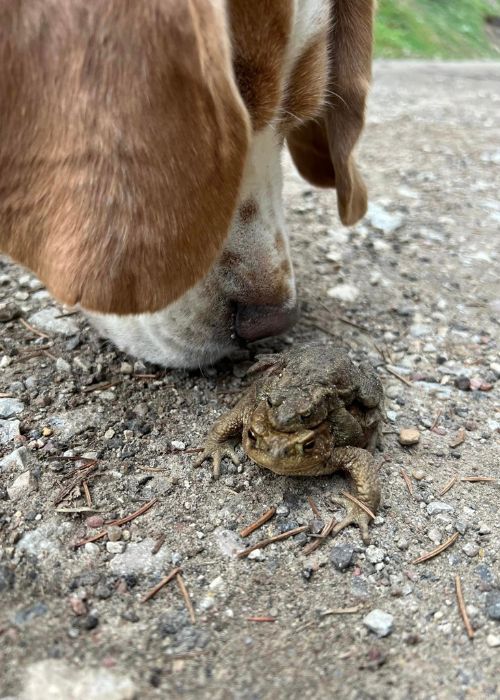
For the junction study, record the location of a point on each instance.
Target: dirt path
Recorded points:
(420, 283)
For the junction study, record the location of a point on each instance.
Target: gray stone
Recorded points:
(379, 622)
(419, 330)
(341, 556)
(67, 425)
(383, 220)
(375, 555)
(22, 486)
(62, 681)
(62, 365)
(10, 407)
(138, 559)
(435, 507)
(9, 429)
(493, 605)
(45, 320)
(178, 445)
(343, 292)
(470, 549)
(48, 538)
(18, 458)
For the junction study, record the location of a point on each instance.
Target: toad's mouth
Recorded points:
(301, 453)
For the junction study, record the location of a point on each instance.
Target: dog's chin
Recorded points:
(149, 337)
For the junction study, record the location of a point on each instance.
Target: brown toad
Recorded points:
(312, 411)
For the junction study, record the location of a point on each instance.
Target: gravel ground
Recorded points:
(414, 288)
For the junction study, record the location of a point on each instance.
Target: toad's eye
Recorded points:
(251, 435)
(309, 445)
(269, 401)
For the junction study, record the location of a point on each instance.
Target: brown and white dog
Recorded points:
(140, 142)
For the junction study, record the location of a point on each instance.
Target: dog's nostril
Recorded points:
(255, 322)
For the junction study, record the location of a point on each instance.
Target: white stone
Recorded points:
(257, 555)
(383, 220)
(178, 445)
(343, 292)
(46, 320)
(493, 640)
(115, 547)
(10, 407)
(54, 679)
(375, 555)
(435, 507)
(22, 486)
(379, 622)
(91, 548)
(138, 559)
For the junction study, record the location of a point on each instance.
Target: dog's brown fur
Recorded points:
(123, 134)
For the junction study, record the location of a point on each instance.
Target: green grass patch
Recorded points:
(446, 29)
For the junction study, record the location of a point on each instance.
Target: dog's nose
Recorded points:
(253, 322)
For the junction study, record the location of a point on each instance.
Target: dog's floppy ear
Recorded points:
(122, 144)
(323, 149)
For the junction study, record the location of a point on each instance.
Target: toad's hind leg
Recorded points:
(360, 465)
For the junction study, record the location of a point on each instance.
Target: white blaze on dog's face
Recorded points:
(163, 217)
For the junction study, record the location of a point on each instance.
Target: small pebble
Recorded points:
(470, 549)
(91, 548)
(435, 507)
(115, 547)
(409, 436)
(341, 556)
(462, 383)
(178, 445)
(114, 533)
(94, 521)
(493, 640)
(379, 622)
(375, 555)
(493, 605)
(418, 474)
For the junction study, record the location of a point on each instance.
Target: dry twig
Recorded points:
(276, 538)
(77, 476)
(489, 479)
(436, 419)
(448, 485)
(398, 376)
(185, 595)
(86, 493)
(342, 611)
(135, 514)
(100, 386)
(407, 480)
(309, 548)
(438, 550)
(162, 583)
(158, 544)
(364, 507)
(34, 330)
(118, 521)
(462, 608)
(258, 523)
(314, 507)
(261, 618)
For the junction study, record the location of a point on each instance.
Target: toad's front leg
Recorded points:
(360, 465)
(220, 440)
